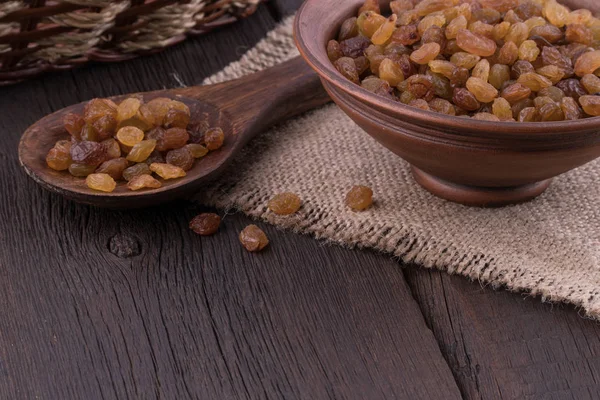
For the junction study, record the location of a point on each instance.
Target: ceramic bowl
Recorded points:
(478, 163)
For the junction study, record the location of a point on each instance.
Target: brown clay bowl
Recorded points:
(478, 163)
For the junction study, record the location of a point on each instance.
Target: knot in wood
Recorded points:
(124, 246)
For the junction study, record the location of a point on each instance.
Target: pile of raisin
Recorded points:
(132, 141)
(492, 60)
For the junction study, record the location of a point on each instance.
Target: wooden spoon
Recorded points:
(242, 108)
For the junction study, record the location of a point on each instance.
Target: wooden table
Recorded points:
(98, 304)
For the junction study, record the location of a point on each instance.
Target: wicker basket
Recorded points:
(42, 35)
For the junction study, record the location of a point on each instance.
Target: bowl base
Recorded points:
(479, 196)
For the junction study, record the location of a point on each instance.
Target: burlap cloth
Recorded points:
(548, 247)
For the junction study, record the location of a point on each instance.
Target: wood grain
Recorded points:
(112, 305)
(503, 345)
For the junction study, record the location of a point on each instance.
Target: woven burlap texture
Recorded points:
(548, 247)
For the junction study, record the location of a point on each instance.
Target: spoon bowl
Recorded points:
(242, 108)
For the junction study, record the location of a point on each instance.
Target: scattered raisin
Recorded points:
(359, 198)
(253, 238)
(285, 203)
(205, 224)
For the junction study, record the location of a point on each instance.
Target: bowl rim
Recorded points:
(467, 127)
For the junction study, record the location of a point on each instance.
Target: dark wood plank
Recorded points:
(503, 345)
(100, 304)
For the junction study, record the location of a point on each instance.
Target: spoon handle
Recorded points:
(260, 100)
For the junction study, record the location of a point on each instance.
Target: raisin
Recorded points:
(368, 23)
(399, 6)
(59, 157)
(508, 54)
(577, 33)
(253, 238)
(502, 109)
(549, 33)
(377, 86)
(421, 86)
(114, 168)
(205, 224)
(529, 114)
(471, 43)
(579, 17)
(451, 48)
(591, 105)
(570, 108)
(285, 203)
(167, 171)
(214, 138)
(435, 34)
(591, 83)
(556, 13)
(81, 170)
(101, 182)
(98, 108)
(520, 106)
(348, 30)
(528, 10)
(498, 75)
(128, 109)
(551, 112)
(197, 150)
(587, 63)
(499, 5)
(420, 103)
(441, 86)
(104, 127)
(176, 118)
(501, 30)
(529, 51)
(482, 70)
(390, 72)
(159, 108)
(333, 50)
(141, 151)
(385, 31)
(74, 124)
(375, 56)
(485, 116)
(465, 60)
(362, 64)
(359, 198)
(136, 170)
(465, 99)
(553, 92)
(572, 88)
(483, 91)
(552, 72)
(534, 22)
(112, 148)
(157, 157)
(406, 35)
(445, 68)
(518, 33)
(551, 56)
(169, 139)
(181, 158)
(130, 136)
(534, 81)
(406, 65)
(487, 15)
(143, 181)
(89, 153)
(442, 106)
(456, 25)
(347, 67)
(370, 5)
(425, 53)
(482, 29)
